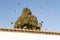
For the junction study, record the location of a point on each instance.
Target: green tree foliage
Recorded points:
(26, 20)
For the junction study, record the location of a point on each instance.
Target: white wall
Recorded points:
(26, 36)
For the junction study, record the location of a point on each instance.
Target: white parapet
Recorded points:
(26, 36)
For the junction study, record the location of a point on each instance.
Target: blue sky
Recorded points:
(46, 10)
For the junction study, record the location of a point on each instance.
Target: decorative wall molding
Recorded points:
(30, 31)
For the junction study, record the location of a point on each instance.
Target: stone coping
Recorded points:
(30, 31)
